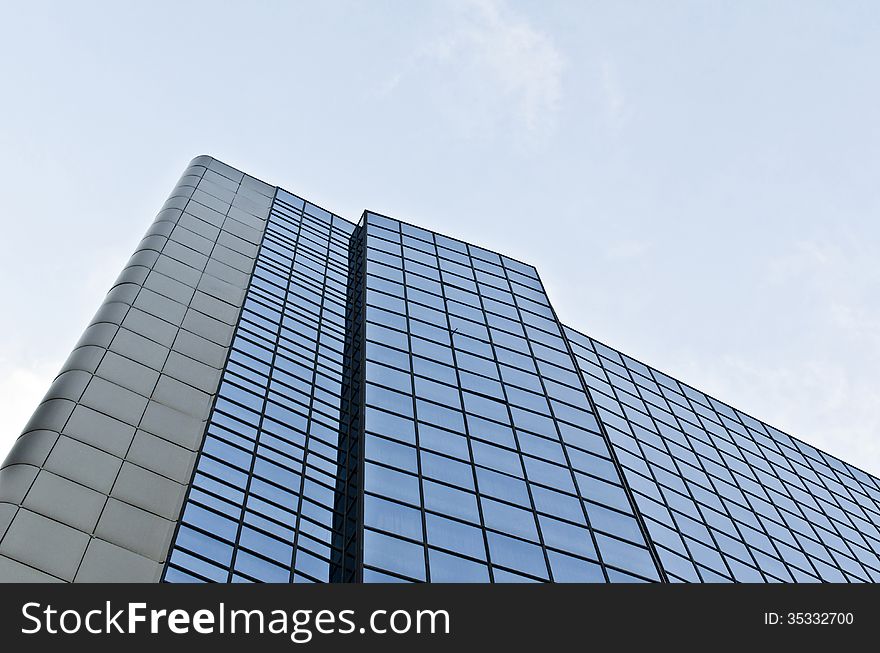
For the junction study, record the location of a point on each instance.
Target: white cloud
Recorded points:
(821, 385)
(31, 355)
(522, 59)
(841, 276)
(492, 60)
(804, 257)
(819, 401)
(627, 250)
(21, 389)
(616, 108)
(859, 321)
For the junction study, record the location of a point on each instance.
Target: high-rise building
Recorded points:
(272, 393)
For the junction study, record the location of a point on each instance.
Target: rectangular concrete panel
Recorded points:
(100, 502)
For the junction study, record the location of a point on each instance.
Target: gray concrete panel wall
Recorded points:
(93, 487)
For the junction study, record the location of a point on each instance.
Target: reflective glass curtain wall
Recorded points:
(400, 406)
(482, 458)
(261, 503)
(272, 393)
(724, 496)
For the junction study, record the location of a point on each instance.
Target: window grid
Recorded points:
(736, 455)
(727, 563)
(479, 440)
(269, 457)
(454, 273)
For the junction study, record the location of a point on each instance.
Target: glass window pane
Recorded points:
(450, 501)
(447, 568)
(394, 555)
(509, 519)
(456, 536)
(567, 569)
(391, 483)
(392, 517)
(518, 555)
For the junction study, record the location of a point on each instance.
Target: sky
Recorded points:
(697, 182)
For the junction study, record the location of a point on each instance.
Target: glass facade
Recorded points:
(270, 393)
(482, 460)
(724, 496)
(400, 406)
(261, 503)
